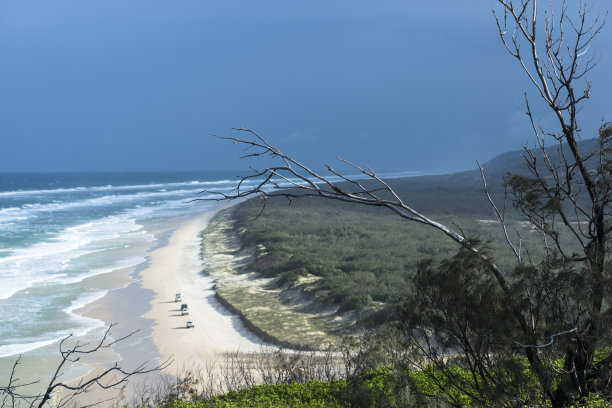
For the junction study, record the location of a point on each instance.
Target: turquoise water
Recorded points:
(58, 230)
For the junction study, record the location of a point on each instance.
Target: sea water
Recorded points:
(68, 239)
(59, 232)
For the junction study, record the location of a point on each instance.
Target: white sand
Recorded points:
(177, 268)
(172, 268)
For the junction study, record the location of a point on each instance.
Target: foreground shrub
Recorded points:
(311, 394)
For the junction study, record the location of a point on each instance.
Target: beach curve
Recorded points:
(177, 268)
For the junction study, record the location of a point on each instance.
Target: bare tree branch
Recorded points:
(108, 378)
(500, 217)
(295, 179)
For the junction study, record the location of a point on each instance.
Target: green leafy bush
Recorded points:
(313, 394)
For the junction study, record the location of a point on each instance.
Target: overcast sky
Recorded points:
(141, 84)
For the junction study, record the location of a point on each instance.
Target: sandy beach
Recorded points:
(177, 268)
(147, 305)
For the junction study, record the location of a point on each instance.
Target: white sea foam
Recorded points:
(10, 285)
(174, 185)
(119, 264)
(83, 325)
(15, 349)
(87, 232)
(10, 215)
(20, 348)
(31, 210)
(111, 187)
(87, 323)
(49, 260)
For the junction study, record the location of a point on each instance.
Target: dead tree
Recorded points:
(57, 393)
(568, 192)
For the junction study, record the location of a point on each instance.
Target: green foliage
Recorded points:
(593, 401)
(358, 259)
(605, 131)
(532, 195)
(312, 394)
(386, 387)
(455, 386)
(439, 385)
(382, 387)
(375, 388)
(455, 306)
(451, 298)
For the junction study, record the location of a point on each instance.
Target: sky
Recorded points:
(135, 85)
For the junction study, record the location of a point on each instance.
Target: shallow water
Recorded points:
(66, 240)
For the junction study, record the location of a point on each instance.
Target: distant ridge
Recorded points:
(513, 162)
(462, 192)
(509, 162)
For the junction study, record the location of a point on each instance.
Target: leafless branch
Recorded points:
(294, 179)
(500, 217)
(550, 342)
(110, 377)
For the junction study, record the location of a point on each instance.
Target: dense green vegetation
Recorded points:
(474, 326)
(361, 258)
(312, 394)
(383, 387)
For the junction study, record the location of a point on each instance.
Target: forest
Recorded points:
(364, 258)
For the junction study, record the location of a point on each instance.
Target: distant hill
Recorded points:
(462, 192)
(509, 162)
(513, 161)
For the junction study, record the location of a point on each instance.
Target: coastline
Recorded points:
(177, 268)
(143, 301)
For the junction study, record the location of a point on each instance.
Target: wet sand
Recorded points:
(145, 303)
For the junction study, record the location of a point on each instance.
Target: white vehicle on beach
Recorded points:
(190, 324)
(184, 309)
(177, 297)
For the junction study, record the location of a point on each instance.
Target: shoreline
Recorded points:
(144, 302)
(177, 268)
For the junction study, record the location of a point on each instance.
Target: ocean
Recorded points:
(68, 240)
(62, 235)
